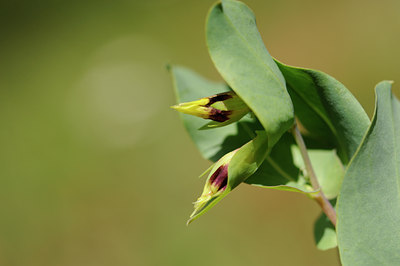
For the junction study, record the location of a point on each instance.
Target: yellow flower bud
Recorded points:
(224, 108)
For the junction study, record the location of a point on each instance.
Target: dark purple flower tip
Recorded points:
(219, 179)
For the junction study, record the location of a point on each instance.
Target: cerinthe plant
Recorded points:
(353, 168)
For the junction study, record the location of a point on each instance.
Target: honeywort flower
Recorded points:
(216, 184)
(223, 108)
(229, 171)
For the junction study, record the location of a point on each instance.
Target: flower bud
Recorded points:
(224, 108)
(216, 184)
(230, 171)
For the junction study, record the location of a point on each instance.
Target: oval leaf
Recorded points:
(326, 109)
(369, 201)
(237, 50)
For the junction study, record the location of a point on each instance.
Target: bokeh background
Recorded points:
(96, 169)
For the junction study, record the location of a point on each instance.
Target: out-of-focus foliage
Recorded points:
(87, 175)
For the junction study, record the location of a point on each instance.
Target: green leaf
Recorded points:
(326, 109)
(278, 171)
(212, 144)
(324, 233)
(240, 56)
(283, 169)
(369, 201)
(328, 169)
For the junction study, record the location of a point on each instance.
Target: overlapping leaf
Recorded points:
(369, 201)
(284, 169)
(278, 171)
(240, 56)
(327, 110)
(237, 50)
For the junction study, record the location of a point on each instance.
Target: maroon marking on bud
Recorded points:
(223, 188)
(215, 174)
(219, 115)
(220, 177)
(219, 98)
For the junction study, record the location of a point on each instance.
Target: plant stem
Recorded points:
(320, 198)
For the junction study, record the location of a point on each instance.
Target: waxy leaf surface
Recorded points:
(237, 50)
(368, 225)
(284, 169)
(326, 109)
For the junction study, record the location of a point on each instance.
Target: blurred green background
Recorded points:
(96, 169)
